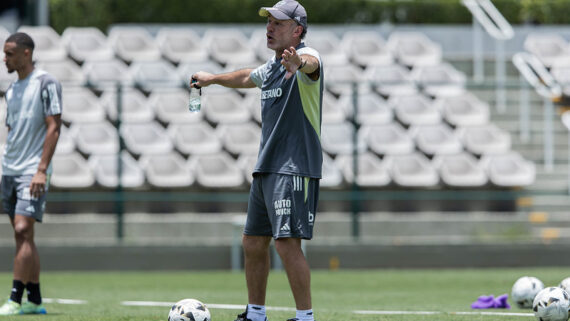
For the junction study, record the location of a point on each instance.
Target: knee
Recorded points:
(255, 244)
(287, 246)
(23, 231)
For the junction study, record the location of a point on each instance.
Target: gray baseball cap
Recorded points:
(285, 10)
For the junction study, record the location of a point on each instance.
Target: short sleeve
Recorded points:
(51, 97)
(258, 74)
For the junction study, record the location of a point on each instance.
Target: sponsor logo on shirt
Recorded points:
(271, 93)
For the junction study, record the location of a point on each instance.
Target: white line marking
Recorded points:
(209, 305)
(64, 301)
(396, 312)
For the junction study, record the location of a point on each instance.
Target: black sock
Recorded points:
(34, 295)
(17, 291)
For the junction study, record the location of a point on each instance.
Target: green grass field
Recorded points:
(336, 294)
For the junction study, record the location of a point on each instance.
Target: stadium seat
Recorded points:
(388, 139)
(48, 44)
(134, 108)
(181, 45)
(372, 172)
(228, 46)
(86, 44)
(333, 109)
(105, 75)
(150, 75)
(67, 72)
(216, 171)
(4, 34)
(414, 49)
(460, 170)
(441, 80)
(146, 138)
(372, 110)
(225, 108)
(171, 106)
(332, 176)
(412, 170)
(246, 162)
(338, 139)
(509, 169)
(105, 169)
(134, 44)
(80, 105)
(328, 45)
(258, 41)
(6, 78)
(65, 143)
(415, 110)
(194, 138)
(366, 48)
(186, 69)
(240, 138)
(166, 170)
(436, 139)
(486, 139)
(340, 79)
(71, 171)
(252, 101)
(95, 138)
(550, 48)
(391, 81)
(464, 110)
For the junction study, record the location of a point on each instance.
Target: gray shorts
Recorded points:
(282, 206)
(16, 198)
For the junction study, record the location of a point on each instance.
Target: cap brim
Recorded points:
(275, 13)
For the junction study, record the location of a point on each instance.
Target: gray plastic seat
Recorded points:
(415, 110)
(550, 48)
(146, 138)
(150, 75)
(134, 107)
(460, 170)
(441, 80)
(246, 162)
(134, 44)
(414, 49)
(240, 138)
(333, 109)
(48, 44)
(67, 72)
(464, 110)
(372, 172)
(509, 169)
(340, 79)
(328, 45)
(105, 169)
(185, 70)
(167, 170)
(6, 78)
(412, 170)
(171, 106)
(196, 139)
(181, 44)
(372, 109)
(95, 138)
(225, 108)
(228, 46)
(71, 171)
(216, 171)
(392, 80)
(388, 139)
(258, 40)
(332, 175)
(485, 139)
(437, 139)
(366, 48)
(105, 75)
(338, 139)
(86, 44)
(65, 143)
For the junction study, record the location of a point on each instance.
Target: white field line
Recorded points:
(63, 301)
(376, 312)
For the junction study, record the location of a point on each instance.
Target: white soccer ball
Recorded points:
(551, 304)
(565, 284)
(189, 310)
(524, 290)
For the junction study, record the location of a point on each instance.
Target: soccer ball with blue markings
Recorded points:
(551, 304)
(189, 310)
(524, 290)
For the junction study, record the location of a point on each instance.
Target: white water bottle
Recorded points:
(195, 103)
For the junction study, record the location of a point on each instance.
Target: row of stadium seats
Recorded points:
(220, 170)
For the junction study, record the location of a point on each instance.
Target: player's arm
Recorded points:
(304, 63)
(53, 124)
(235, 79)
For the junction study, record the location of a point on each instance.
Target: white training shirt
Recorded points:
(29, 102)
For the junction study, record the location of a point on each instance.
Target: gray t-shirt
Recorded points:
(291, 116)
(29, 102)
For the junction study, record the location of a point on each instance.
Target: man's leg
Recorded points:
(27, 259)
(257, 265)
(297, 270)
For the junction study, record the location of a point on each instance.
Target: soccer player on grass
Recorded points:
(33, 120)
(283, 197)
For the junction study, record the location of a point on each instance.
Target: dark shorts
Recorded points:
(16, 198)
(282, 206)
